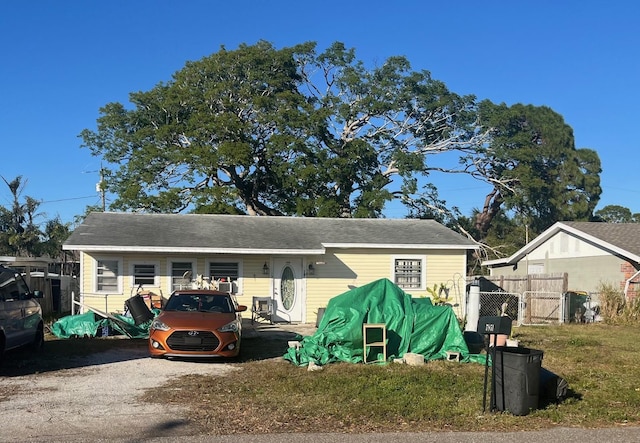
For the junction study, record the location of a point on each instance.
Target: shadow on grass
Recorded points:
(266, 346)
(545, 402)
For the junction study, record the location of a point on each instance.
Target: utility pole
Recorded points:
(100, 189)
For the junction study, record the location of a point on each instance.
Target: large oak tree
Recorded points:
(265, 131)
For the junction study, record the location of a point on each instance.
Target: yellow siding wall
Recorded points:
(253, 281)
(335, 273)
(343, 270)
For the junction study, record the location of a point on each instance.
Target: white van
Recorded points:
(20, 313)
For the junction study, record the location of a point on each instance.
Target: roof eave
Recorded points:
(190, 250)
(396, 246)
(553, 230)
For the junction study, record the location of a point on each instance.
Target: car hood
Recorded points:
(195, 320)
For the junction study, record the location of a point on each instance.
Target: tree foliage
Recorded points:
(534, 167)
(265, 131)
(20, 233)
(294, 131)
(616, 214)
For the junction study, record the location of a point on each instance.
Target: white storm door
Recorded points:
(287, 289)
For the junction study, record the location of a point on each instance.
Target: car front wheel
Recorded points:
(38, 340)
(1, 349)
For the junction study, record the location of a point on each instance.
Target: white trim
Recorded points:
(550, 232)
(627, 283)
(603, 244)
(423, 271)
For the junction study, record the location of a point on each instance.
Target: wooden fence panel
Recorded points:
(557, 282)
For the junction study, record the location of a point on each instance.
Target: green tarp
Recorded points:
(412, 325)
(91, 324)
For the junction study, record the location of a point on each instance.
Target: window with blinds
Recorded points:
(144, 274)
(227, 272)
(181, 275)
(107, 276)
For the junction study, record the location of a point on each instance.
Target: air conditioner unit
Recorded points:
(225, 286)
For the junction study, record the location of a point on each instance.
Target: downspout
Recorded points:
(628, 282)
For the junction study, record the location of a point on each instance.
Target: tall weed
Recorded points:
(614, 309)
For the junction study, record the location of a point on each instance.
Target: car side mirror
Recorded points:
(241, 308)
(38, 294)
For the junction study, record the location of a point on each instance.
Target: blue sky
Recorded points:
(63, 60)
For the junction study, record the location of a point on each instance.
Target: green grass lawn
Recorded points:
(268, 394)
(599, 362)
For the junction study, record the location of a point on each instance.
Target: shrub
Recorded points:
(614, 308)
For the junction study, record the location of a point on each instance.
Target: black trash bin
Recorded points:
(138, 309)
(517, 379)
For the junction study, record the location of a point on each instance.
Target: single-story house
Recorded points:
(299, 263)
(591, 254)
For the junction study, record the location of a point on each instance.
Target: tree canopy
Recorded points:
(534, 168)
(20, 232)
(293, 131)
(265, 131)
(617, 214)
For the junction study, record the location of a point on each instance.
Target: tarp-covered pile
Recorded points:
(413, 326)
(91, 324)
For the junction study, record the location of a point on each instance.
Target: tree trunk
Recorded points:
(491, 207)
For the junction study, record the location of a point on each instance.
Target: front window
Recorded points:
(144, 274)
(107, 275)
(409, 273)
(182, 274)
(225, 275)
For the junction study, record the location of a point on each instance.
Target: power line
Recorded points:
(68, 199)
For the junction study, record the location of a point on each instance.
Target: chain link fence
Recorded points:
(540, 307)
(499, 303)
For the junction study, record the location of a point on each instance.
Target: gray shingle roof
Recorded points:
(231, 233)
(625, 236)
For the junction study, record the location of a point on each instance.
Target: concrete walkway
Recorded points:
(252, 330)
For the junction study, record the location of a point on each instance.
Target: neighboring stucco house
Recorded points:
(300, 263)
(590, 253)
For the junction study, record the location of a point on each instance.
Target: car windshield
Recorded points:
(12, 286)
(199, 302)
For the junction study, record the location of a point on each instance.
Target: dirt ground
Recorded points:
(58, 396)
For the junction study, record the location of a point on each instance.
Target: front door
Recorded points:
(288, 289)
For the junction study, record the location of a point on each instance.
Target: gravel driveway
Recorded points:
(97, 399)
(96, 396)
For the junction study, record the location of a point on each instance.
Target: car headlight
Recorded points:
(160, 326)
(234, 326)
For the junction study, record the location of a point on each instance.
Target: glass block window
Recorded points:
(408, 272)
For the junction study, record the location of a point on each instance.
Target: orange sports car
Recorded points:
(197, 323)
